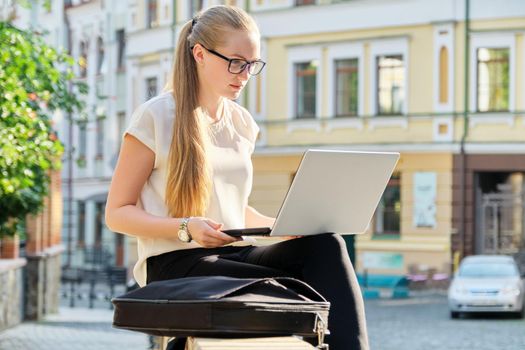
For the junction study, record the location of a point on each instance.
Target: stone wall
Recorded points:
(42, 286)
(34, 288)
(11, 292)
(29, 287)
(53, 276)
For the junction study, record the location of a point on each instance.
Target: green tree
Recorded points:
(35, 81)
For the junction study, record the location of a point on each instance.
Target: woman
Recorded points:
(185, 173)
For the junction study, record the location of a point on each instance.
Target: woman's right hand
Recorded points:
(207, 233)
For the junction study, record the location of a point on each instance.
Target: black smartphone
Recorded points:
(254, 231)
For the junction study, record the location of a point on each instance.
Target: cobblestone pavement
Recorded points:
(423, 323)
(419, 323)
(72, 329)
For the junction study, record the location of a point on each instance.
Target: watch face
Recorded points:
(184, 236)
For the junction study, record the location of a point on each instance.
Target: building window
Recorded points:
(443, 75)
(81, 229)
(305, 89)
(119, 250)
(100, 55)
(390, 84)
(100, 139)
(195, 6)
(82, 142)
(99, 223)
(121, 47)
(167, 11)
(346, 72)
(151, 88)
(388, 212)
(83, 59)
(121, 126)
(493, 80)
(304, 2)
(152, 14)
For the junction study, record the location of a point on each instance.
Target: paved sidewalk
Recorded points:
(72, 329)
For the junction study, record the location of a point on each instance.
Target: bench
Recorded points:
(74, 277)
(377, 285)
(108, 276)
(268, 343)
(422, 277)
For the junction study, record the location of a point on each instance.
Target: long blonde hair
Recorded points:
(189, 172)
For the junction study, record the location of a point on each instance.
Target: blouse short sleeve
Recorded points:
(144, 126)
(246, 126)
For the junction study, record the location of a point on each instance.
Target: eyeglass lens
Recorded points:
(237, 66)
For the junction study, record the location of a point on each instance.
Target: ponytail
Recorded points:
(189, 172)
(189, 178)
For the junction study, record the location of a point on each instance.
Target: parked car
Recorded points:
(487, 283)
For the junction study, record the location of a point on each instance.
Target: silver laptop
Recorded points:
(333, 191)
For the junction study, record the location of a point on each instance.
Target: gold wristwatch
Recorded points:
(184, 234)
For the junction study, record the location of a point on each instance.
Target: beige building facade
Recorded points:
(390, 76)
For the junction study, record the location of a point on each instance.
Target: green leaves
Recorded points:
(35, 81)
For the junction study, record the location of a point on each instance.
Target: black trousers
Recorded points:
(321, 261)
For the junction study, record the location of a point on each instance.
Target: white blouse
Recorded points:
(233, 141)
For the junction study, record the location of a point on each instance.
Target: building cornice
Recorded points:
(445, 147)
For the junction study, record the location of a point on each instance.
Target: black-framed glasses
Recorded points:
(237, 65)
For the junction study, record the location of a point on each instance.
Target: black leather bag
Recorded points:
(224, 307)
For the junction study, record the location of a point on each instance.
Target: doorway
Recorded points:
(500, 209)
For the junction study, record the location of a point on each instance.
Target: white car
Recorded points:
(487, 283)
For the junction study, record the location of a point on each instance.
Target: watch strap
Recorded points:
(184, 227)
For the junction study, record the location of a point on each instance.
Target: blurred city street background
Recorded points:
(439, 81)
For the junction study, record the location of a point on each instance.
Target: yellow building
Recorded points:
(381, 75)
(390, 76)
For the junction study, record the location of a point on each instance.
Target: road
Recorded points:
(421, 323)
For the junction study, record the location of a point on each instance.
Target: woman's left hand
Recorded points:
(206, 232)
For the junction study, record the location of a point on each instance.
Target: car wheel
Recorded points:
(454, 314)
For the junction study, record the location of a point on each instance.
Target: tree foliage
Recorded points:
(35, 81)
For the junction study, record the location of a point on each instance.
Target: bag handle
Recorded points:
(300, 287)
